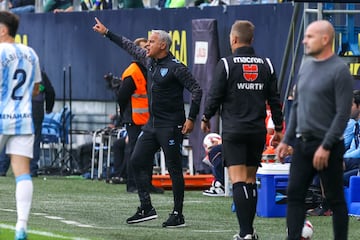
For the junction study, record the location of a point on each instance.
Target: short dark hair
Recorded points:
(11, 21)
(244, 30)
(356, 94)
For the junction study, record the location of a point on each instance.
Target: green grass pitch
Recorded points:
(68, 208)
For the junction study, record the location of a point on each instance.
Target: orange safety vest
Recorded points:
(139, 100)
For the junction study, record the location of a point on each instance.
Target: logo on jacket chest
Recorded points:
(163, 71)
(250, 72)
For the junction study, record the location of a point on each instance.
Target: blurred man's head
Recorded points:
(141, 42)
(9, 24)
(318, 39)
(355, 108)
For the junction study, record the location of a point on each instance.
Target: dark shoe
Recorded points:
(142, 216)
(117, 180)
(2, 174)
(319, 211)
(132, 190)
(156, 190)
(175, 220)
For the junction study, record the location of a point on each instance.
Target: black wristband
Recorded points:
(278, 128)
(326, 147)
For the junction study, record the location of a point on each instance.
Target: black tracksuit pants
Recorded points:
(133, 132)
(149, 141)
(301, 175)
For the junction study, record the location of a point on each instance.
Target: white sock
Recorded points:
(23, 195)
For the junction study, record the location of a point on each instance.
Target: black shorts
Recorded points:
(243, 149)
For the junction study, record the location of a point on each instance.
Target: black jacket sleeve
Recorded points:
(184, 75)
(217, 91)
(49, 93)
(137, 52)
(124, 91)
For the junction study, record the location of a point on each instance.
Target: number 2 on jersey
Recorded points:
(20, 76)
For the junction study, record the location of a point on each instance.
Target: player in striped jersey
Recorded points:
(19, 81)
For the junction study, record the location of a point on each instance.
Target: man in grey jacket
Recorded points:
(318, 118)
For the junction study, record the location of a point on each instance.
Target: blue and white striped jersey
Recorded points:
(19, 71)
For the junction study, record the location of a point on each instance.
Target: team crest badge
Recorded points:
(164, 71)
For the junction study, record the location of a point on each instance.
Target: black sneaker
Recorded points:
(175, 220)
(156, 190)
(319, 211)
(142, 216)
(132, 190)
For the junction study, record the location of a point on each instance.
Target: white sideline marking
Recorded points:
(212, 231)
(52, 217)
(77, 224)
(47, 234)
(63, 220)
(38, 214)
(194, 201)
(7, 210)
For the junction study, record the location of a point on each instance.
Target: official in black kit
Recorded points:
(166, 80)
(242, 85)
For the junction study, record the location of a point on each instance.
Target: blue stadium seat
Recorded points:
(354, 196)
(54, 134)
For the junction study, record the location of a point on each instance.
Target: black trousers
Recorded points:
(301, 175)
(133, 132)
(120, 163)
(38, 117)
(149, 141)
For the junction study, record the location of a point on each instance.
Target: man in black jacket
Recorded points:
(132, 98)
(166, 80)
(242, 84)
(47, 97)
